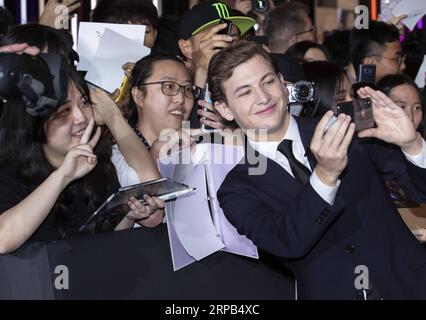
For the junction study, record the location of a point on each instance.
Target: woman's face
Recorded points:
(64, 128)
(163, 111)
(408, 99)
(344, 93)
(315, 54)
(150, 35)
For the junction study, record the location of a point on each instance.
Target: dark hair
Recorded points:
(42, 37)
(142, 70)
(6, 20)
(224, 62)
(283, 22)
(21, 150)
(299, 49)
(371, 41)
(167, 38)
(125, 11)
(337, 46)
(328, 78)
(387, 83)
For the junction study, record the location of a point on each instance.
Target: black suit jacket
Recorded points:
(322, 244)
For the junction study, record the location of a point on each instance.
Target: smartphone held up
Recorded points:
(360, 111)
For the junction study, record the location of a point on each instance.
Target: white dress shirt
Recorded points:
(269, 149)
(328, 193)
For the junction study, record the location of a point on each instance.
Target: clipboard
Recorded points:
(116, 206)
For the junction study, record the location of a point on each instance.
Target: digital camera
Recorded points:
(40, 83)
(300, 91)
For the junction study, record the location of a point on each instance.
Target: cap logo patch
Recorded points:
(222, 10)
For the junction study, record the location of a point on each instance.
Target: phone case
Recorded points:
(361, 112)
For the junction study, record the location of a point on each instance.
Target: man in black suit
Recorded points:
(320, 204)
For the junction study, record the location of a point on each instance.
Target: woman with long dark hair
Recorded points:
(54, 172)
(331, 87)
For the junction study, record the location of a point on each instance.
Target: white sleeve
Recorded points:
(126, 175)
(326, 192)
(419, 159)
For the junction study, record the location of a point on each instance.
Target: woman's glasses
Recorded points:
(172, 88)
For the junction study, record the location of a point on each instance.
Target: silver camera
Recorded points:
(300, 91)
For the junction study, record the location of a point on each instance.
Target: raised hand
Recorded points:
(104, 106)
(80, 160)
(171, 141)
(210, 118)
(210, 43)
(331, 148)
(393, 124)
(52, 10)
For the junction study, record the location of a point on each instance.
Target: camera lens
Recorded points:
(303, 91)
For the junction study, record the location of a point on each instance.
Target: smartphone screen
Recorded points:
(361, 112)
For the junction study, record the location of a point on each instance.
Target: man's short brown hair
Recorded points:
(224, 62)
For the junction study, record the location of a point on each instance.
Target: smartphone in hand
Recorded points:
(228, 29)
(367, 73)
(207, 98)
(361, 112)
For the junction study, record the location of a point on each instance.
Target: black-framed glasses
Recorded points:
(172, 88)
(312, 30)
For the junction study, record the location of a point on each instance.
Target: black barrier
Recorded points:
(134, 264)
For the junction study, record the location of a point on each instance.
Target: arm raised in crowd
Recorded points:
(135, 155)
(133, 150)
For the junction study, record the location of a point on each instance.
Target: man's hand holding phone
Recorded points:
(331, 148)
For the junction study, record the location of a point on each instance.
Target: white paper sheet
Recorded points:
(91, 33)
(415, 9)
(198, 231)
(222, 160)
(114, 50)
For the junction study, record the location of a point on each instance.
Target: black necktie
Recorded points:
(300, 172)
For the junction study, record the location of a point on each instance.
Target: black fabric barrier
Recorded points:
(136, 264)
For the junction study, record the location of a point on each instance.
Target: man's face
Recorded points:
(256, 98)
(391, 61)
